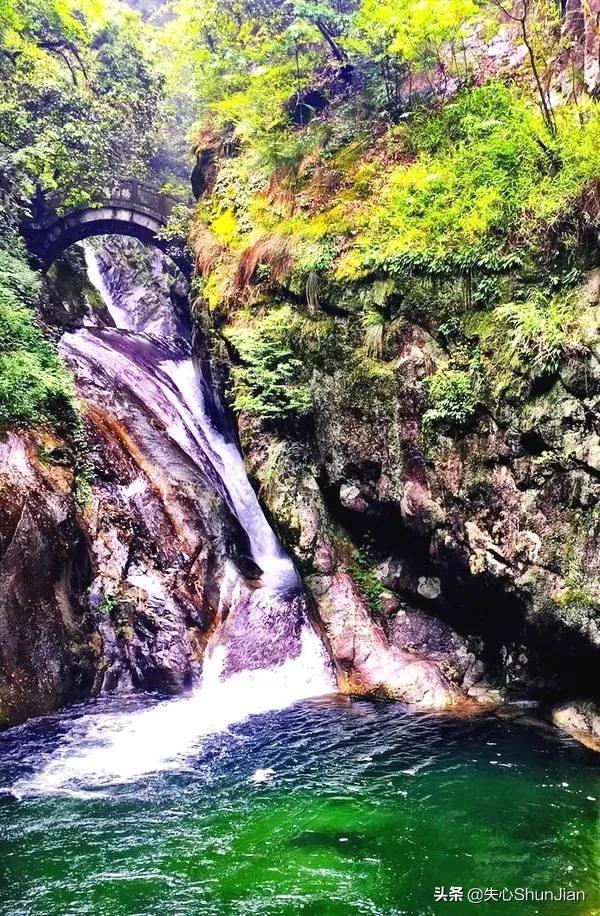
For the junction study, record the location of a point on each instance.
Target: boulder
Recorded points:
(367, 664)
(422, 635)
(581, 719)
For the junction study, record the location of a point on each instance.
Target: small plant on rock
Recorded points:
(452, 397)
(362, 571)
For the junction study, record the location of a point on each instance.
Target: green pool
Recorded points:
(330, 807)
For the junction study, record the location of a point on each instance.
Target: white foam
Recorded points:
(109, 749)
(262, 775)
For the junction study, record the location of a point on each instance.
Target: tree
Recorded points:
(521, 14)
(79, 100)
(404, 38)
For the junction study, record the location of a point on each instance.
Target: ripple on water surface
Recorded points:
(330, 807)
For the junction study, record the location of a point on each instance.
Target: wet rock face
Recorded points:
(63, 302)
(152, 593)
(261, 629)
(141, 283)
(158, 532)
(420, 634)
(494, 530)
(580, 27)
(118, 593)
(581, 719)
(367, 663)
(478, 546)
(112, 579)
(45, 652)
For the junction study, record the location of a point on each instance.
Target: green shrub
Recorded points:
(35, 385)
(453, 400)
(108, 605)
(271, 381)
(17, 277)
(84, 479)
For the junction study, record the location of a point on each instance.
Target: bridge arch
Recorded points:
(129, 208)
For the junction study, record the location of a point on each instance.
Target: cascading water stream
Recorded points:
(269, 657)
(180, 394)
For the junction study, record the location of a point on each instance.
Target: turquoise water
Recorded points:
(331, 807)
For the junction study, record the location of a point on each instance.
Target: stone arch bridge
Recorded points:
(128, 207)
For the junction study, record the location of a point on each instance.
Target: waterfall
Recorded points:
(264, 654)
(118, 315)
(164, 371)
(111, 748)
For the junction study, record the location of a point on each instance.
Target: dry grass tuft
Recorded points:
(280, 193)
(206, 247)
(273, 252)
